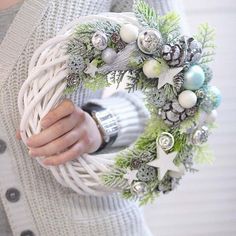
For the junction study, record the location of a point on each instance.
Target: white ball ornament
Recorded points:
(211, 118)
(187, 99)
(129, 33)
(109, 55)
(152, 68)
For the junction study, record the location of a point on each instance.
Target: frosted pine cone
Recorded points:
(174, 54)
(172, 113)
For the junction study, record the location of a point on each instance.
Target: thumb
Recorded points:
(18, 136)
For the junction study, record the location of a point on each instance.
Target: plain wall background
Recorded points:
(205, 203)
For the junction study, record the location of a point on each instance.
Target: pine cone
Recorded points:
(187, 49)
(172, 113)
(194, 49)
(174, 54)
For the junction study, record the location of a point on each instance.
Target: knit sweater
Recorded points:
(32, 202)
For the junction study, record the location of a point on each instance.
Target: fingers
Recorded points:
(62, 110)
(53, 132)
(75, 151)
(57, 145)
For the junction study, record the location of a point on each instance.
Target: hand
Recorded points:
(68, 132)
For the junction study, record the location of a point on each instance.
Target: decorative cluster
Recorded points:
(173, 72)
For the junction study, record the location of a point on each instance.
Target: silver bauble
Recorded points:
(200, 136)
(139, 189)
(166, 141)
(150, 41)
(109, 55)
(99, 40)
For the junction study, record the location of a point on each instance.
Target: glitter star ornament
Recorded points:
(167, 74)
(164, 162)
(91, 69)
(131, 176)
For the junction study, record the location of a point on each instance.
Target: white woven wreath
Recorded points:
(169, 68)
(43, 90)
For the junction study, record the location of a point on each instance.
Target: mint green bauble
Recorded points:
(194, 78)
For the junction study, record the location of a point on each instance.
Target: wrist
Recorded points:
(107, 123)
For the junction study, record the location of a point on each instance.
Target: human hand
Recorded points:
(67, 132)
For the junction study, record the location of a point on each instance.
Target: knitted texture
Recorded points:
(46, 207)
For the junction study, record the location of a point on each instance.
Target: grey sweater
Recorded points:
(31, 200)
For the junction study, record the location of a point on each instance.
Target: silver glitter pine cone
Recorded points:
(194, 49)
(187, 49)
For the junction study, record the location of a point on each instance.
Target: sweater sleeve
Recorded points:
(131, 113)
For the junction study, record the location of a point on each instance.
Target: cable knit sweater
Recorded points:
(32, 202)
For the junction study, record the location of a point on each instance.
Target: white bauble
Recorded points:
(187, 99)
(152, 68)
(129, 33)
(211, 118)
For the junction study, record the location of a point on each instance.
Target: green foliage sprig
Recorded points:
(206, 36)
(168, 24)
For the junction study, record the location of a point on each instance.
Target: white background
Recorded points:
(205, 203)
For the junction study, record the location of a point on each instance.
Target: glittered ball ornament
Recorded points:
(150, 41)
(109, 55)
(187, 99)
(211, 117)
(200, 136)
(139, 189)
(194, 78)
(212, 99)
(99, 40)
(152, 68)
(166, 141)
(146, 173)
(129, 33)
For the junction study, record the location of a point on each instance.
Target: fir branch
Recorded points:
(95, 83)
(169, 27)
(189, 123)
(145, 14)
(206, 36)
(203, 154)
(169, 92)
(114, 179)
(116, 77)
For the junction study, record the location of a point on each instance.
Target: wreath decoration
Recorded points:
(170, 69)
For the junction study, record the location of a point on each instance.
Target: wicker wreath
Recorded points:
(171, 70)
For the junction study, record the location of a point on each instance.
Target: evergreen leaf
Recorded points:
(206, 36)
(145, 14)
